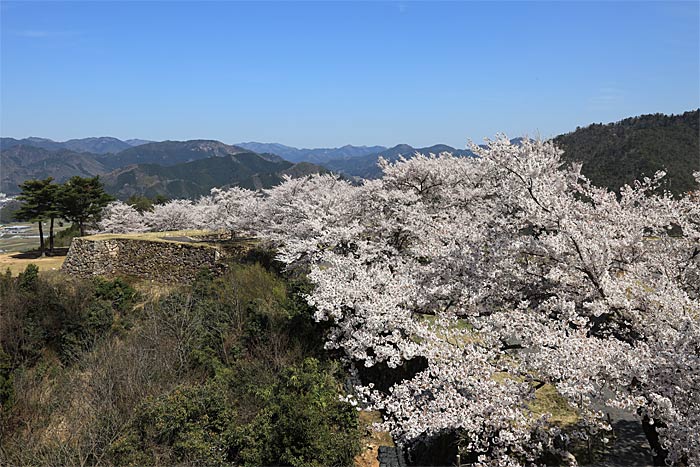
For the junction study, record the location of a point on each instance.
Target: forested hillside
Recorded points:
(22, 162)
(196, 178)
(168, 153)
(618, 153)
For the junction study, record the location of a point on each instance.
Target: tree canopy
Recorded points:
(82, 200)
(39, 200)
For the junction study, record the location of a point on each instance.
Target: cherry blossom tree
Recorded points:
(119, 217)
(505, 272)
(232, 209)
(177, 214)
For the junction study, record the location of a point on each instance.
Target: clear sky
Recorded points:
(329, 74)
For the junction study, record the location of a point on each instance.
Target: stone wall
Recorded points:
(163, 261)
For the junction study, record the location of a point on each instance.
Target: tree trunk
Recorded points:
(51, 236)
(82, 229)
(658, 453)
(41, 238)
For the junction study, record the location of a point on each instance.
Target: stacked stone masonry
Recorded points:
(162, 261)
(389, 456)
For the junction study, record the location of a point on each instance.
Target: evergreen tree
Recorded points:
(39, 203)
(82, 201)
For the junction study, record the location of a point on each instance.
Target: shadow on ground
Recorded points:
(34, 254)
(628, 448)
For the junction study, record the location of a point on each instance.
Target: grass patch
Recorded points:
(17, 264)
(163, 237)
(548, 400)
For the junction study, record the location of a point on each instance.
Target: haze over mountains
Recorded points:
(612, 155)
(316, 155)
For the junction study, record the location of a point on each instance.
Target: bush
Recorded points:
(304, 423)
(188, 425)
(117, 291)
(28, 278)
(65, 314)
(63, 238)
(6, 383)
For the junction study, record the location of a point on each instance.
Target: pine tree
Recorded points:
(82, 201)
(39, 203)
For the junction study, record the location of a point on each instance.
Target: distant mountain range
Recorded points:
(612, 155)
(22, 162)
(367, 166)
(174, 169)
(169, 153)
(191, 179)
(317, 155)
(97, 145)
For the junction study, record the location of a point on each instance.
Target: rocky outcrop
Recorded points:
(163, 261)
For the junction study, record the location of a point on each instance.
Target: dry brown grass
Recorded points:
(17, 262)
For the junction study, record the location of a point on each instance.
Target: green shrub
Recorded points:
(63, 238)
(190, 424)
(117, 291)
(28, 279)
(304, 423)
(67, 315)
(312, 426)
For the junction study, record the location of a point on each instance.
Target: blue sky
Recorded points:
(329, 74)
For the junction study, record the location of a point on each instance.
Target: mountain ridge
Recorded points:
(195, 178)
(617, 153)
(169, 152)
(315, 155)
(92, 144)
(367, 166)
(612, 154)
(22, 162)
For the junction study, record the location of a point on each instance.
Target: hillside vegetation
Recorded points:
(619, 153)
(226, 371)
